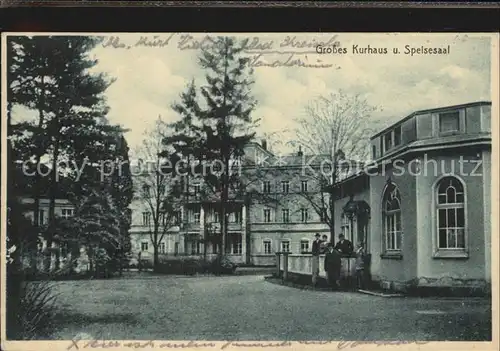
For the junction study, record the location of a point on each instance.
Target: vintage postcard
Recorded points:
(233, 191)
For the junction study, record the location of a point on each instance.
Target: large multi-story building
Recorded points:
(271, 211)
(422, 208)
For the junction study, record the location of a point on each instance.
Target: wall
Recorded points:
(424, 126)
(443, 271)
(60, 204)
(487, 190)
(393, 269)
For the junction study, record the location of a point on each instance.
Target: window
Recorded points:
(303, 186)
(285, 246)
(304, 215)
(397, 136)
(195, 247)
(374, 152)
(196, 217)
(146, 190)
(304, 245)
(450, 214)
(161, 248)
(285, 215)
(146, 218)
(41, 217)
(196, 189)
(392, 218)
(267, 246)
(345, 226)
(164, 217)
(237, 245)
(67, 212)
(449, 122)
(216, 217)
(144, 246)
(267, 215)
(237, 216)
(285, 185)
(266, 186)
(388, 141)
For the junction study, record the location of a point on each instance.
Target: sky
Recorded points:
(150, 78)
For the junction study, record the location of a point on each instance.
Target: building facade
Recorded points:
(272, 213)
(429, 195)
(421, 208)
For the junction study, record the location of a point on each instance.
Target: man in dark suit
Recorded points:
(316, 246)
(344, 246)
(332, 266)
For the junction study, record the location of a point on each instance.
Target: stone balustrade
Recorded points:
(288, 264)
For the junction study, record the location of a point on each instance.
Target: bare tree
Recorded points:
(335, 130)
(157, 187)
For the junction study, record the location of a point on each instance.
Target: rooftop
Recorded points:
(431, 110)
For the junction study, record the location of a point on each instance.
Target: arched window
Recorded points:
(391, 214)
(450, 207)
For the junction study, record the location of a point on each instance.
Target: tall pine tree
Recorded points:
(52, 75)
(215, 131)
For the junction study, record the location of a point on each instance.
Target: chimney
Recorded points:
(264, 144)
(300, 151)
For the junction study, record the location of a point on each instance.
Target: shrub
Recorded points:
(32, 315)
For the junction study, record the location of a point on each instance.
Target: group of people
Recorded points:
(333, 255)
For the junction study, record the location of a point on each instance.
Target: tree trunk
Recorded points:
(90, 254)
(205, 236)
(155, 259)
(332, 216)
(52, 197)
(38, 156)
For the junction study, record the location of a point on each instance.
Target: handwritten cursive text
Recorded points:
(351, 344)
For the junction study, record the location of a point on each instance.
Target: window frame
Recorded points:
(266, 187)
(449, 252)
(288, 242)
(287, 211)
(197, 214)
(71, 210)
(396, 252)
(162, 248)
(196, 189)
(397, 131)
(146, 218)
(264, 241)
(345, 226)
(304, 215)
(285, 184)
(302, 241)
(448, 132)
(144, 246)
(41, 217)
(237, 245)
(265, 219)
(391, 146)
